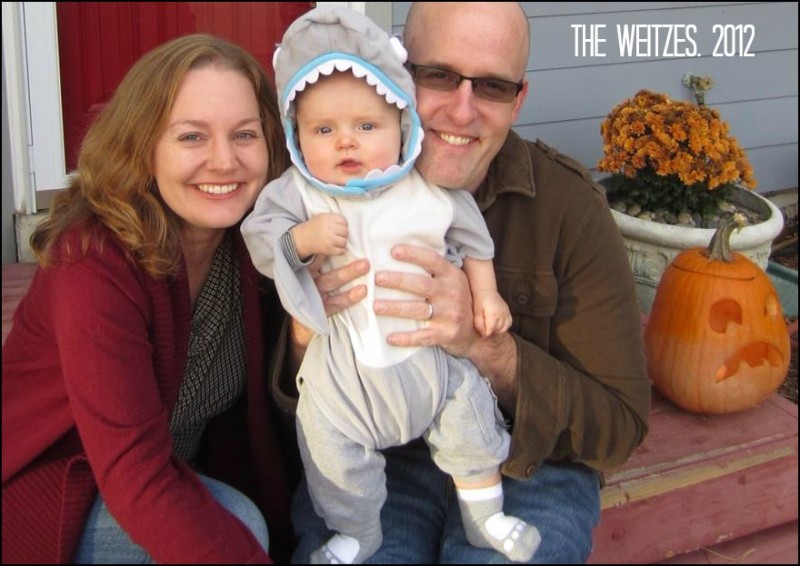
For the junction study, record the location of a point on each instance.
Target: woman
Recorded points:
(133, 373)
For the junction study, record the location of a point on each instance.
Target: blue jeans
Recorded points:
(104, 542)
(422, 524)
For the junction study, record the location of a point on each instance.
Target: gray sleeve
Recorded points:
(278, 208)
(468, 235)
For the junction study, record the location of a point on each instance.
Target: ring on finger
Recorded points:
(431, 311)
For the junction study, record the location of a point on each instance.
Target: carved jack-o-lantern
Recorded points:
(716, 340)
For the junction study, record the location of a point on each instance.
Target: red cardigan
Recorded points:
(91, 372)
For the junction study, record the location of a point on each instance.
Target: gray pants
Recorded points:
(344, 420)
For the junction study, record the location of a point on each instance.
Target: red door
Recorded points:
(98, 42)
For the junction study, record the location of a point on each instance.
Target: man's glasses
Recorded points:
(434, 78)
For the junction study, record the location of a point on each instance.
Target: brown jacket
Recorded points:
(584, 395)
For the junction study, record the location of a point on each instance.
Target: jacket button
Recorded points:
(522, 299)
(530, 469)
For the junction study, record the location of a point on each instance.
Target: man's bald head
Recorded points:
(423, 17)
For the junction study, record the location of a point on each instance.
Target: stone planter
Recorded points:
(651, 246)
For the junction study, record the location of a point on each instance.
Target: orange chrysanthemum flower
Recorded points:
(665, 148)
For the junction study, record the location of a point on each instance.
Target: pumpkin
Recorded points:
(716, 340)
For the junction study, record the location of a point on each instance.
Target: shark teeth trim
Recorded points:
(327, 68)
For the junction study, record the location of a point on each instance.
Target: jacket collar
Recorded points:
(510, 172)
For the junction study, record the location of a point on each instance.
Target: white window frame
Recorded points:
(35, 122)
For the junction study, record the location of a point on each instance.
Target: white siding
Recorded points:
(570, 95)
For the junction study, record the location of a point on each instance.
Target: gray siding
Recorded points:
(570, 95)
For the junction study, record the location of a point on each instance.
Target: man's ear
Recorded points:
(520, 100)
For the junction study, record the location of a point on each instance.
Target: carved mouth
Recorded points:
(753, 354)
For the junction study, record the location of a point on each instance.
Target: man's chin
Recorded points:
(448, 175)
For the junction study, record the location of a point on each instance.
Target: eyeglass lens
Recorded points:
(496, 90)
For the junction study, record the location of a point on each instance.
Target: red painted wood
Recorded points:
(700, 480)
(99, 41)
(777, 545)
(676, 434)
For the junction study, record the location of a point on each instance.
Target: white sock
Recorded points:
(481, 493)
(340, 549)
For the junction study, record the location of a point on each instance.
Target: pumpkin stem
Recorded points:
(719, 249)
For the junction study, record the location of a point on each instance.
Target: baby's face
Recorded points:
(346, 129)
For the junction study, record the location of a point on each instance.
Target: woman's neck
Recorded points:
(198, 251)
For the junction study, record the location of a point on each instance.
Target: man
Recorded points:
(570, 374)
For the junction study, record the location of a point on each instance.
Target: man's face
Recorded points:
(464, 133)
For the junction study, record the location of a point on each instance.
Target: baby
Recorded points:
(353, 134)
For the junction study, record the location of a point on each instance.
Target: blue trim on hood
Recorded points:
(354, 188)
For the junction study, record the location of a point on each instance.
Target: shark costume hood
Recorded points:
(329, 39)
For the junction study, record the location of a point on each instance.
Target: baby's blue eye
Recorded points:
(324, 130)
(367, 126)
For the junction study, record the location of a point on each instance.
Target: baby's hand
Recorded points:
(324, 234)
(491, 313)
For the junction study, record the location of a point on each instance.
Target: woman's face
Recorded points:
(211, 161)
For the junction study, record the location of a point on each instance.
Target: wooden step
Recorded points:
(777, 545)
(699, 480)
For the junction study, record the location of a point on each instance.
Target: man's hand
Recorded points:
(329, 283)
(451, 326)
(445, 287)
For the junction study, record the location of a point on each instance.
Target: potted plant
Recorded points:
(675, 171)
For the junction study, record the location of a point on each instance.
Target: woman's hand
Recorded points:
(445, 287)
